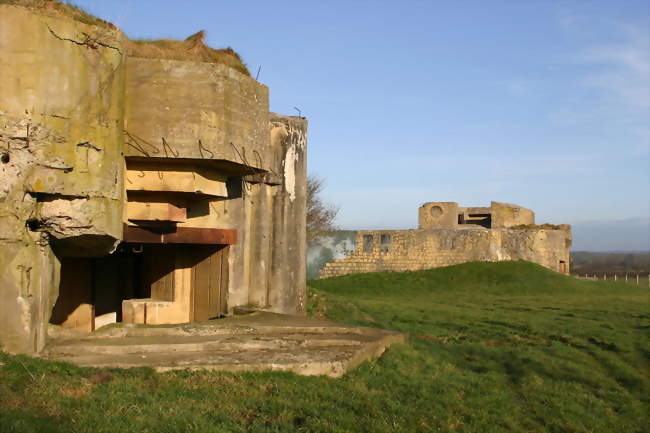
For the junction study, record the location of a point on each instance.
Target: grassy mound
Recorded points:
(511, 278)
(495, 347)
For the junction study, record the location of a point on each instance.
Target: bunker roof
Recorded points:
(193, 48)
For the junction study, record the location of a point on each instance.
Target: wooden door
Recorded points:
(209, 281)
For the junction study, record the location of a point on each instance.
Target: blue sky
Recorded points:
(540, 103)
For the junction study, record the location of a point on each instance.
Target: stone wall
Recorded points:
(409, 250)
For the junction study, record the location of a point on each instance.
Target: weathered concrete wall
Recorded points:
(510, 215)
(438, 215)
(435, 215)
(73, 106)
(203, 110)
(61, 110)
(288, 270)
(410, 250)
(200, 110)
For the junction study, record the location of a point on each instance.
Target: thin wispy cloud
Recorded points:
(610, 90)
(516, 87)
(622, 69)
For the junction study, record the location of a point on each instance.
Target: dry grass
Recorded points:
(60, 9)
(539, 226)
(191, 49)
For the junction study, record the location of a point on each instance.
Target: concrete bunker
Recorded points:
(449, 234)
(139, 187)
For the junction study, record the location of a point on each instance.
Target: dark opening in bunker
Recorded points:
(385, 243)
(479, 219)
(188, 281)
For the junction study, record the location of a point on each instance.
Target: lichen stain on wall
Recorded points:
(296, 146)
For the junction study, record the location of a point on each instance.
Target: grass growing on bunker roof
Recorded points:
(59, 8)
(494, 347)
(193, 48)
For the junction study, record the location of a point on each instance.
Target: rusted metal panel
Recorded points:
(180, 235)
(141, 235)
(190, 235)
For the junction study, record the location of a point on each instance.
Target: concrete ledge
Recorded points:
(261, 341)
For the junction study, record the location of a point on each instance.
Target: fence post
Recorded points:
(637, 279)
(615, 277)
(626, 278)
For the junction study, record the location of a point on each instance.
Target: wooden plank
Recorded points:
(168, 181)
(201, 288)
(215, 283)
(223, 286)
(152, 211)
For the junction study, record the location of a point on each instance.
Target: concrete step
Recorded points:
(263, 341)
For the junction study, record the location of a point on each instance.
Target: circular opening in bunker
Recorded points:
(435, 211)
(5, 158)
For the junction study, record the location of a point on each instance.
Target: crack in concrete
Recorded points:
(88, 42)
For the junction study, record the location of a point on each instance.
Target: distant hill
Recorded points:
(508, 277)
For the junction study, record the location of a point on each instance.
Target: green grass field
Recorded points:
(495, 347)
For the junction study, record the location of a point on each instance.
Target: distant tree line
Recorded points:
(585, 262)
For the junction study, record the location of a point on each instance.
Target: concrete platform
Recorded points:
(254, 342)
